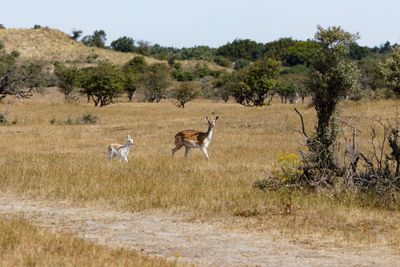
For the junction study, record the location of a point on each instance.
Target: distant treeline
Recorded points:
(238, 52)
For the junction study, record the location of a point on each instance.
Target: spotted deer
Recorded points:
(120, 151)
(195, 139)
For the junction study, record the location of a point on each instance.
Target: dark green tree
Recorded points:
(133, 72)
(241, 49)
(301, 52)
(278, 49)
(156, 80)
(98, 39)
(76, 34)
(286, 90)
(123, 44)
(68, 80)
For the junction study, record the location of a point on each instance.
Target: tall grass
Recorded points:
(64, 162)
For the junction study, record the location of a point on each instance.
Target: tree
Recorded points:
(256, 81)
(102, 84)
(301, 52)
(332, 76)
(19, 80)
(156, 81)
(123, 44)
(223, 83)
(286, 90)
(137, 64)
(278, 49)
(390, 69)
(241, 64)
(143, 48)
(133, 75)
(241, 49)
(68, 80)
(98, 39)
(222, 61)
(185, 93)
(371, 72)
(76, 34)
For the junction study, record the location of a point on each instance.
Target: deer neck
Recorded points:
(127, 145)
(209, 132)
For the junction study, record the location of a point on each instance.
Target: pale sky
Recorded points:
(209, 22)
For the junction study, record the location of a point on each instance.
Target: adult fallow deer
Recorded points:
(195, 139)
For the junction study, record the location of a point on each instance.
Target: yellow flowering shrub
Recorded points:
(288, 167)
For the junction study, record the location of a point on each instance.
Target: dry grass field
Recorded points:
(16, 247)
(68, 162)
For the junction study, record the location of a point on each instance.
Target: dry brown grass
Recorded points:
(22, 244)
(43, 161)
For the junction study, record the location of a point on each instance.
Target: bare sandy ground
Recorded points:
(202, 244)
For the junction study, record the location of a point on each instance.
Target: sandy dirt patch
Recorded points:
(202, 244)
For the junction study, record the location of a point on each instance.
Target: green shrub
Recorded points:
(87, 118)
(222, 61)
(92, 58)
(3, 119)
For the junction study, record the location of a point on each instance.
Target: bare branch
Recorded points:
(302, 123)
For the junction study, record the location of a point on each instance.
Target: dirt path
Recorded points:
(195, 243)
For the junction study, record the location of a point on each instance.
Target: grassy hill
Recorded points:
(51, 45)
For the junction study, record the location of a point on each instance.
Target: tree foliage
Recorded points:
(156, 81)
(390, 69)
(332, 77)
(68, 80)
(102, 84)
(76, 34)
(255, 81)
(20, 80)
(241, 49)
(133, 72)
(123, 44)
(185, 93)
(97, 39)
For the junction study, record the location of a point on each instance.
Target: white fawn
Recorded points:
(195, 139)
(120, 151)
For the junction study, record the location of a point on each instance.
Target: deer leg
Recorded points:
(187, 151)
(176, 148)
(204, 150)
(110, 154)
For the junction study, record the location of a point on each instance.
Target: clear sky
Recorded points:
(209, 22)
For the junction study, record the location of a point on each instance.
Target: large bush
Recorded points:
(102, 84)
(185, 93)
(251, 85)
(123, 44)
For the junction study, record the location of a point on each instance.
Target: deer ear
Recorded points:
(207, 118)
